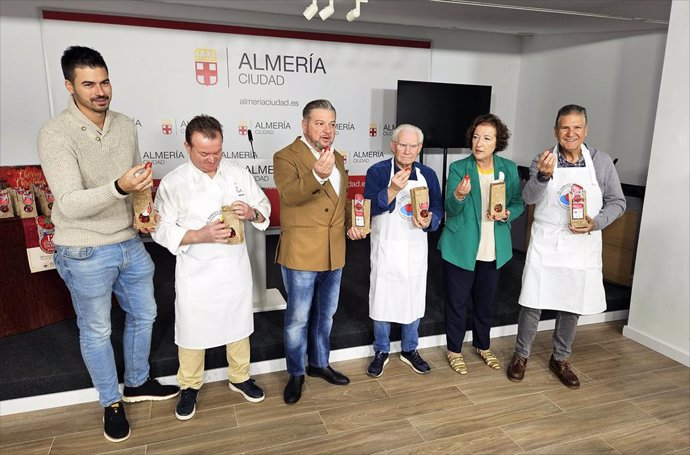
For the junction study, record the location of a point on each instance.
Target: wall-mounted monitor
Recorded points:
(442, 111)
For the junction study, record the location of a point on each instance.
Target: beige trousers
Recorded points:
(191, 372)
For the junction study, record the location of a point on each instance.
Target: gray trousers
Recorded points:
(563, 334)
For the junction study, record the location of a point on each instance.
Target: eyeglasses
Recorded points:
(412, 147)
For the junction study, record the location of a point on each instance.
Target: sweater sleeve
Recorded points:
(611, 191)
(534, 187)
(376, 189)
(61, 168)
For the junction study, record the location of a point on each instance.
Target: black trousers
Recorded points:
(462, 286)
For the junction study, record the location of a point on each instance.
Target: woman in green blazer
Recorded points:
(475, 242)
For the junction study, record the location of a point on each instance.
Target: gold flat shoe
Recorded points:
(457, 364)
(489, 358)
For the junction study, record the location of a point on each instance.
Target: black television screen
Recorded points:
(442, 111)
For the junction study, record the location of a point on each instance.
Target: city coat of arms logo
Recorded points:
(242, 128)
(206, 66)
(166, 127)
(373, 130)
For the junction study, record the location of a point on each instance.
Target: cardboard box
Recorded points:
(578, 206)
(497, 199)
(419, 198)
(359, 214)
(232, 222)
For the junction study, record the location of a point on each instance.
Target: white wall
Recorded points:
(457, 57)
(615, 76)
(660, 305)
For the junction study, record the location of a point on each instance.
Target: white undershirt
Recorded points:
(487, 245)
(335, 173)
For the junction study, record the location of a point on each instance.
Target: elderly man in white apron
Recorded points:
(399, 247)
(213, 281)
(563, 267)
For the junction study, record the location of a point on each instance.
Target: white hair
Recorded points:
(408, 127)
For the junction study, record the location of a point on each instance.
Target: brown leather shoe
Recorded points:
(516, 369)
(563, 371)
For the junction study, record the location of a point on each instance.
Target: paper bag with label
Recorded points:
(144, 209)
(578, 206)
(497, 197)
(44, 199)
(236, 226)
(359, 214)
(24, 202)
(419, 198)
(6, 210)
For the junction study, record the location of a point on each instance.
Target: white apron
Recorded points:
(398, 261)
(213, 282)
(563, 270)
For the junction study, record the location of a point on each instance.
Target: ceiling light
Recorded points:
(311, 10)
(327, 11)
(354, 13)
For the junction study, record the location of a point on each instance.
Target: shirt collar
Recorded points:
(199, 176)
(311, 149)
(75, 111)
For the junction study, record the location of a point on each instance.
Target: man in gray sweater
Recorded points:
(563, 267)
(90, 157)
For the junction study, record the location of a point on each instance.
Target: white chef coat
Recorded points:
(213, 282)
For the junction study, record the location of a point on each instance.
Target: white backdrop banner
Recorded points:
(163, 77)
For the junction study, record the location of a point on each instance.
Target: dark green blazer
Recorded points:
(460, 237)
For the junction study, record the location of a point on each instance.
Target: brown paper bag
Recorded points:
(419, 198)
(144, 209)
(6, 203)
(143, 206)
(578, 206)
(497, 199)
(236, 225)
(24, 202)
(44, 199)
(358, 214)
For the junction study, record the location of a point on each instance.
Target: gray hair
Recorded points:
(569, 109)
(316, 104)
(408, 127)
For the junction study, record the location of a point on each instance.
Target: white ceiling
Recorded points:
(529, 17)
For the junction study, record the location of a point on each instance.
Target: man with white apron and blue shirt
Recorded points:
(399, 247)
(563, 267)
(213, 280)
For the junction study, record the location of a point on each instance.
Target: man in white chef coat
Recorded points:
(213, 281)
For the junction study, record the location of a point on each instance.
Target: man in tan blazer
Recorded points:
(312, 185)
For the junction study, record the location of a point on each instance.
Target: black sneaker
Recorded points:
(413, 359)
(115, 425)
(150, 390)
(376, 366)
(186, 407)
(249, 390)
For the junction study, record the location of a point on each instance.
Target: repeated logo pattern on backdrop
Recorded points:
(252, 83)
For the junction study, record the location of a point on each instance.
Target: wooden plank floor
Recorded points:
(632, 401)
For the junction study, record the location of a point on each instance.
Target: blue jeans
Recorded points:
(382, 333)
(311, 304)
(92, 274)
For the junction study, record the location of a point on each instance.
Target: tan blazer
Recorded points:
(312, 216)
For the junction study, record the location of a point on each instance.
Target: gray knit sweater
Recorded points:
(609, 183)
(81, 163)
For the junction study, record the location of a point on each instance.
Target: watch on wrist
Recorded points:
(256, 216)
